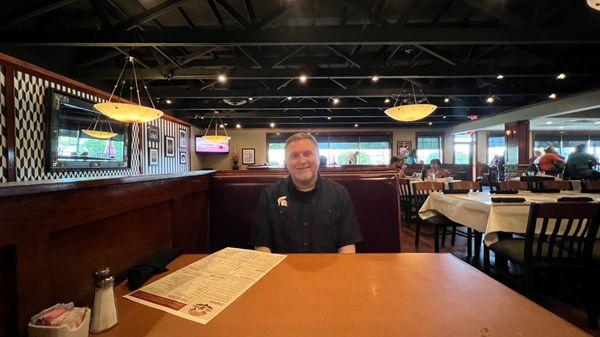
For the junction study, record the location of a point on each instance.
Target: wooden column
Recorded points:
(517, 142)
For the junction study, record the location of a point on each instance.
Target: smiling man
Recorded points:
(305, 213)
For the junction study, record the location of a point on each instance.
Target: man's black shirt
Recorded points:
(291, 221)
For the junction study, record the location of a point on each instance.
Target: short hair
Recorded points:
(581, 147)
(436, 161)
(300, 136)
(549, 149)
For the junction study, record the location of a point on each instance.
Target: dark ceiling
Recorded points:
(442, 48)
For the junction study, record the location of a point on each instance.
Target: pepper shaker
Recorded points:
(104, 311)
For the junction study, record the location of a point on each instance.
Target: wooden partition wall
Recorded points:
(54, 235)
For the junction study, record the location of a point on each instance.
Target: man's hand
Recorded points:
(349, 249)
(265, 249)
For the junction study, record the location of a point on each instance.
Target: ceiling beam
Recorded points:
(349, 113)
(277, 14)
(32, 12)
(299, 36)
(436, 55)
(348, 73)
(338, 51)
(234, 14)
(264, 105)
(175, 92)
(149, 15)
(365, 12)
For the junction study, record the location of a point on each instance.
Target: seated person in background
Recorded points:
(437, 170)
(579, 162)
(536, 155)
(399, 165)
(305, 213)
(551, 162)
(412, 157)
(322, 161)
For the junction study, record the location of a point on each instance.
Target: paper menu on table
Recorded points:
(200, 290)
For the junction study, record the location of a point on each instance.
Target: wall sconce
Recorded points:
(511, 133)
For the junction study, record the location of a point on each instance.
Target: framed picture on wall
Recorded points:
(169, 146)
(152, 157)
(248, 157)
(182, 157)
(152, 133)
(404, 148)
(183, 140)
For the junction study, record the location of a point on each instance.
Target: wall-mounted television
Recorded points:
(203, 146)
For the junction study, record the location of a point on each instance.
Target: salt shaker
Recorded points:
(104, 311)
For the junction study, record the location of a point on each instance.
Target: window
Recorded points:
(428, 148)
(496, 146)
(462, 148)
(372, 149)
(565, 144)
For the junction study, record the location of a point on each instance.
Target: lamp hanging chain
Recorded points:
(224, 128)
(117, 83)
(137, 89)
(401, 88)
(413, 91)
(208, 127)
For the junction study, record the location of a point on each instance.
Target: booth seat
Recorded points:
(374, 195)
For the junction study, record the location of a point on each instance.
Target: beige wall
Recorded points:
(257, 139)
(481, 137)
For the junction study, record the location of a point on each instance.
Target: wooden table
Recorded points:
(359, 295)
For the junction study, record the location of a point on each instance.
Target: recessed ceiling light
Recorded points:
(303, 78)
(375, 78)
(386, 101)
(289, 98)
(552, 96)
(548, 123)
(444, 117)
(222, 125)
(222, 78)
(272, 125)
(238, 126)
(499, 77)
(336, 100)
(561, 76)
(250, 98)
(490, 99)
(430, 123)
(168, 101)
(447, 100)
(328, 117)
(355, 125)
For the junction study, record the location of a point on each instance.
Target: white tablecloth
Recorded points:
(476, 210)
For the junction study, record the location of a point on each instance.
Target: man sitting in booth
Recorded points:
(305, 213)
(580, 163)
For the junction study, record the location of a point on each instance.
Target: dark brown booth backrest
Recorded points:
(374, 195)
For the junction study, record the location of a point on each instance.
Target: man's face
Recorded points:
(302, 161)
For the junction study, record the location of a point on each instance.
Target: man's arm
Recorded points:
(267, 249)
(349, 249)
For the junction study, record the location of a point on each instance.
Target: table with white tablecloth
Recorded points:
(476, 210)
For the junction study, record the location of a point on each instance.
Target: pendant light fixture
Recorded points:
(216, 138)
(129, 112)
(95, 132)
(410, 112)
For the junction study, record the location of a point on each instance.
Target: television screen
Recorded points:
(203, 146)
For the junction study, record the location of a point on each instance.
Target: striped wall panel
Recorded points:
(166, 164)
(29, 130)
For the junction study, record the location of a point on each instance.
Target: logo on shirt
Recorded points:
(281, 201)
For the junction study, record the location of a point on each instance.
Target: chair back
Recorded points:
(562, 232)
(405, 191)
(465, 185)
(562, 185)
(535, 182)
(422, 189)
(590, 186)
(513, 185)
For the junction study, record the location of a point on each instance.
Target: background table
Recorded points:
(359, 295)
(476, 210)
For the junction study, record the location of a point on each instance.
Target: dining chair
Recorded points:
(513, 185)
(421, 191)
(590, 186)
(535, 182)
(406, 199)
(560, 236)
(467, 233)
(561, 185)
